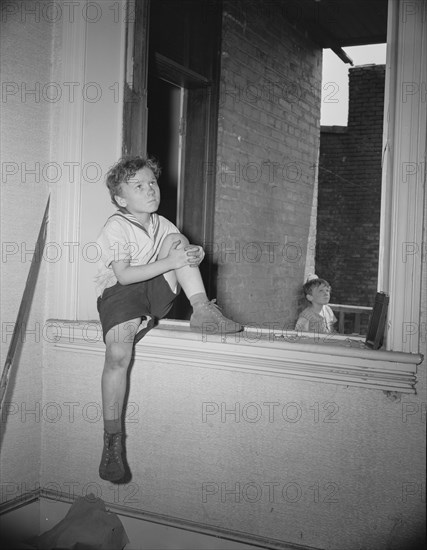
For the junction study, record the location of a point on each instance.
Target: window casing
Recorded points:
(403, 185)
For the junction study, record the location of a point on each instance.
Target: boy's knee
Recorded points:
(118, 355)
(173, 238)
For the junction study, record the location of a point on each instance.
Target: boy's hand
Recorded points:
(190, 255)
(196, 252)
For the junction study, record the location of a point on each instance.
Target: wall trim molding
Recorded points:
(19, 501)
(161, 519)
(67, 192)
(403, 175)
(259, 351)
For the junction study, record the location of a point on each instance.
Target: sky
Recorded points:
(334, 108)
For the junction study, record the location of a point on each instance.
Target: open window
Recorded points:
(80, 204)
(349, 198)
(174, 117)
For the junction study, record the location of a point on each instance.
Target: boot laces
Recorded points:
(112, 444)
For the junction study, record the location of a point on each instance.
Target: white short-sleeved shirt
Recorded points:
(322, 322)
(122, 238)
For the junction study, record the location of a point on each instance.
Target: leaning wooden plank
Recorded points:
(24, 308)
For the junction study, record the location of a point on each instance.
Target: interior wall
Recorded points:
(321, 465)
(26, 54)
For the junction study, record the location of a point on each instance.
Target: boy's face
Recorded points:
(319, 295)
(141, 194)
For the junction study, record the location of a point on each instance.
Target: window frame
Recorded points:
(401, 212)
(284, 354)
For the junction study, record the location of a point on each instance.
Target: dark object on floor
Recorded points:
(87, 525)
(376, 327)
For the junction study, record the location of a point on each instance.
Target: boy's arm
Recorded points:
(127, 274)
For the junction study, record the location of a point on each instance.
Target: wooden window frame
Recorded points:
(402, 215)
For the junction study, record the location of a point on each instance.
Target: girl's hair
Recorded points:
(314, 282)
(125, 169)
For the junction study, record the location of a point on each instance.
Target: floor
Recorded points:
(21, 524)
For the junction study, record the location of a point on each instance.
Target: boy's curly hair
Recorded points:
(312, 283)
(125, 169)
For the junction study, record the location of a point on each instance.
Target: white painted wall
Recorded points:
(330, 467)
(26, 50)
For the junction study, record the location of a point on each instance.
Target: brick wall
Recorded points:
(350, 192)
(268, 140)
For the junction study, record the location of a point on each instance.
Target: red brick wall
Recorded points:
(350, 192)
(268, 140)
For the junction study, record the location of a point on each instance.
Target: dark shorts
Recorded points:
(121, 303)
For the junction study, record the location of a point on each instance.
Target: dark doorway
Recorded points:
(164, 142)
(171, 112)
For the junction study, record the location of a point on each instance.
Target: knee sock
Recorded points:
(113, 426)
(198, 299)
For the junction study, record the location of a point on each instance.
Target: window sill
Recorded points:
(339, 360)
